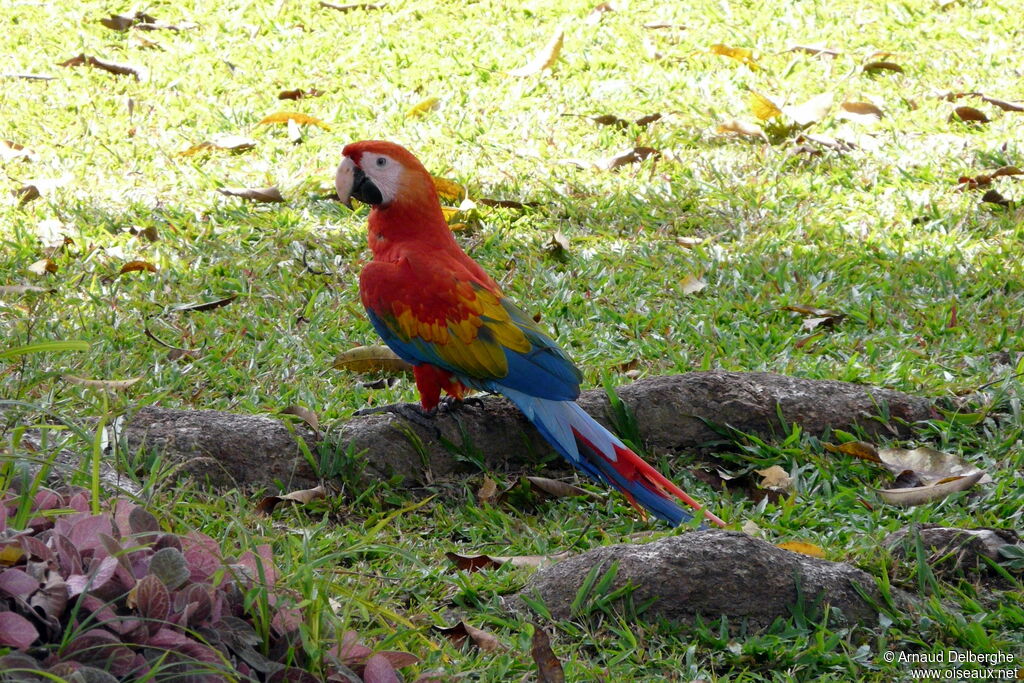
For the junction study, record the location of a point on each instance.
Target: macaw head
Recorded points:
(381, 173)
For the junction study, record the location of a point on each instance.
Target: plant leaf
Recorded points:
(737, 127)
(16, 631)
(422, 107)
(811, 111)
(549, 669)
(969, 114)
(858, 449)
(375, 358)
(282, 117)
(762, 107)
(267, 505)
(135, 266)
(461, 632)
(740, 54)
(544, 59)
(860, 112)
(105, 384)
(920, 495)
(808, 549)
(256, 194)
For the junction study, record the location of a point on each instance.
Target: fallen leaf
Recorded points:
(137, 72)
(691, 284)
(365, 6)
(474, 563)
(740, 54)
(205, 306)
(826, 141)
(818, 49)
(658, 25)
(299, 94)
(1002, 104)
(505, 203)
(858, 449)
(804, 341)
(42, 267)
(460, 632)
(920, 495)
(28, 76)
(742, 128)
(811, 111)
(305, 414)
(284, 116)
(622, 124)
(750, 528)
(993, 197)
(256, 194)
(133, 266)
(422, 107)
(775, 477)
(558, 489)
(549, 669)
(227, 143)
(376, 358)
(985, 179)
(267, 505)
(627, 157)
(543, 59)
(105, 384)
(860, 112)
(969, 114)
(598, 12)
(929, 464)
(488, 493)
(558, 244)
(123, 22)
(762, 107)
(294, 132)
(803, 548)
(174, 352)
(872, 67)
(9, 151)
(449, 190)
(24, 289)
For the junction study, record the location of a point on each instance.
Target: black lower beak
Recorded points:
(363, 188)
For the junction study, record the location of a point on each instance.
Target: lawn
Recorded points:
(683, 260)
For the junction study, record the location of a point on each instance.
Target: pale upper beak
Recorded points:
(344, 180)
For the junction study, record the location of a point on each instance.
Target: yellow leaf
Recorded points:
(42, 267)
(375, 358)
(740, 54)
(775, 477)
(543, 59)
(133, 266)
(691, 284)
(858, 449)
(448, 190)
(422, 107)
(802, 548)
(10, 554)
(743, 128)
(811, 111)
(106, 384)
(763, 107)
(302, 119)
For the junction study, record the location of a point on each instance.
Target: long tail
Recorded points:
(597, 452)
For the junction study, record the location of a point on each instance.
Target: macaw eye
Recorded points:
(382, 162)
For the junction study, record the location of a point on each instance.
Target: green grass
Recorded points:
(877, 232)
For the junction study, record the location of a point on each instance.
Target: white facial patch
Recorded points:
(385, 173)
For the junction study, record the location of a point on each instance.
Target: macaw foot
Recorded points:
(450, 404)
(410, 412)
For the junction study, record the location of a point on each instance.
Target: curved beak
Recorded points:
(350, 181)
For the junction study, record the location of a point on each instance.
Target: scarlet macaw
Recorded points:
(438, 309)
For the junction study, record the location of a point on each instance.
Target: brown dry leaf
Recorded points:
(549, 669)
(919, 495)
(1002, 104)
(256, 194)
(558, 489)
(775, 477)
(488, 493)
(691, 284)
(743, 128)
(449, 190)
(299, 94)
(123, 22)
(740, 54)
(818, 49)
(630, 156)
(558, 245)
(283, 117)
(9, 151)
(505, 203)
(134, 266)
(598, 12)
(762, 106)
(267, 505)
(860, 112)
(474, 563)
(305, 414)
(929, 464)
(809, 339)
(206, 305)
(811, 111)
(422, 107)
(227, 143)
(42, 267)
(365, 6)
(969, 114)
(543, 59)
(138, 72)
(105, 384)
(985, 179)
(813, 311)
(622, 124)
(803, 548)
(826, 141)
(858, 449)
(174, 352)
(872, 67)
(376, 358)
(993, 197)
(461, 632)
